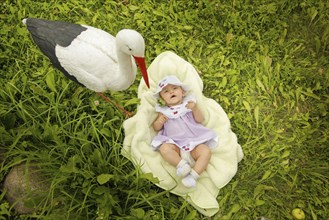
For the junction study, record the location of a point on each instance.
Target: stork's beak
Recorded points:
(142, 66)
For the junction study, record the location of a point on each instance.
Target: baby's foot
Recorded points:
(183, 168)
(190, 180)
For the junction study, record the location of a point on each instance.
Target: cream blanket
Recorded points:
(139, 133)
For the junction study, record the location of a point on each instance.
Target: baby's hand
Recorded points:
(190, 105)
(159, 122)
(162, 118)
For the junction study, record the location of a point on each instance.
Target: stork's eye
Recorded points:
(129, 48)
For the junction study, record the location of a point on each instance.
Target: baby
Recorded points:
(182, 140)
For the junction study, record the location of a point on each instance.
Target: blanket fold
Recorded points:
(139, 133)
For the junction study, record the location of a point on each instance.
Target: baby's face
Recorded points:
(172, 94)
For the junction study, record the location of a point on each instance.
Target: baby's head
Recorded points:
(171, 90)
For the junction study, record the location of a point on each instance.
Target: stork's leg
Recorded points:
(127, 113)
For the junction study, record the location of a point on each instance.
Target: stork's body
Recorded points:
(90, 56)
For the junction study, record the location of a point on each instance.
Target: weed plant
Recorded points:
(265, 62)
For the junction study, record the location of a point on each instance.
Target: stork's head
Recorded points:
(132, 43)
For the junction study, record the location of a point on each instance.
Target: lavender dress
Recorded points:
(182, 130)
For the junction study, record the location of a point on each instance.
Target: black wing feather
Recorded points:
(47, 34)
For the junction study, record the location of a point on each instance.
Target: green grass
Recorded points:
(265, 62)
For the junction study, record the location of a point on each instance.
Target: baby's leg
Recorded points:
(170, 153)
(201, 154)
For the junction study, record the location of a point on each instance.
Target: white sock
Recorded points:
(183, 168)
(190, 180)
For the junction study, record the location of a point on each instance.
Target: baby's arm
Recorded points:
(197, 114)
(159, 122)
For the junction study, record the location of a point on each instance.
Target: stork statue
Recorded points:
(89, 56)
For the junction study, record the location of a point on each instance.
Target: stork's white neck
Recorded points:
(127, 70)
(128, 43)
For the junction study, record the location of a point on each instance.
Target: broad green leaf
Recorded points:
(259, 190)
(236, 207)
(50, 80)
(159, 13)
(104, 178)
(309, 93)
(106, 132)
(266, 174)
(191, 216)
(150, 177)
(285, 154)
(100, 190)
(260, 84)
(188, 27)
(133, 101)
(259, 202)
(138, 213)
(70, 167)
(223, 82)
(246, 105)
(313, 13)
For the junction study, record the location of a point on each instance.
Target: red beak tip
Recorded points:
(142, 66)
